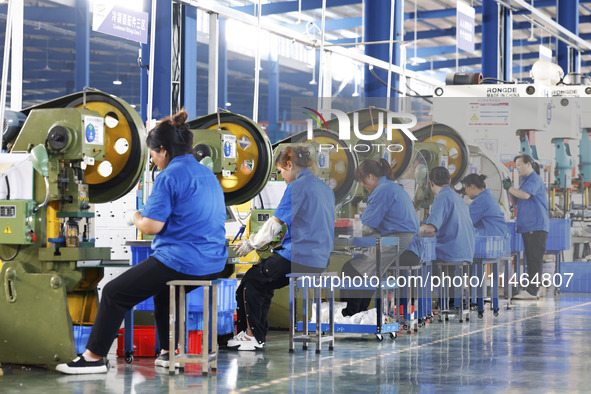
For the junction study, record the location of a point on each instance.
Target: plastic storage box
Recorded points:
(489, 246)
(144, 341)
(516, 238)
(579, 281)
(428, 249)
(559, 235)
(81, 334)
(139, 254)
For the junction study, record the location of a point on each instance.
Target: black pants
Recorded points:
(358, 300)
(129, 289)
(254, 295)
(534, 246)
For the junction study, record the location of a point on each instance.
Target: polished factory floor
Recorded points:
(537, 346)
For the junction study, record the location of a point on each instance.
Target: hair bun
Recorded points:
(180, 118)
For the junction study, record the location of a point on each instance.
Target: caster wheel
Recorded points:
(480, 315)
(129, 358)
(467, 319)
(461, 321)
(446, 318)
(392, 335)
(305, 347)
(379, 337)
(405, 327)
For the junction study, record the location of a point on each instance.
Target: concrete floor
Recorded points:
(536, 346)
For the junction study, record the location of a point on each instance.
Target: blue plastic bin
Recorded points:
(559, 235)
(516, 238)
(580, 281)
(489, 246)
(428, 249)
(226, 297)
(139, 254)
(81, 334)
(225, 322)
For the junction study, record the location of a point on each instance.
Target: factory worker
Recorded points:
(533, 220)
(449, 220)
(485, 211)
(186, 213)
(389, 212)
(307, 208)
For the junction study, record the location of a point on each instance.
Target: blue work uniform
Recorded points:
(188, 198)
(532, 213)
(390, 209)
(486, 214)
(455, 232)
(307, 208)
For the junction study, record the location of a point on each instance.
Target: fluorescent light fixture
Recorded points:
(228, 104)
(117, 82)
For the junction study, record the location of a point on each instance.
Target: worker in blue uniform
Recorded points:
(389, 212)
(485, 211)
(186, 213)
(449, 220)
(307, 208)
(533, 220)
(488, 220)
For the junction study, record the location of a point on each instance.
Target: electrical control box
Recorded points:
(16, 222)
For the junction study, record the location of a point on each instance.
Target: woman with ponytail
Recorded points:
(186, 213)
(389, 212)
(307, 209)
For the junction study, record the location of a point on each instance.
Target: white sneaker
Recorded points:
(244, 342)
(163, 360)
(79, 366)
(524, 295)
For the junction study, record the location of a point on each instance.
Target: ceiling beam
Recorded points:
(282, 7)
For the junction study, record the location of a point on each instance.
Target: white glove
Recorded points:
(129, 214)
(243, 248)
(260, 239)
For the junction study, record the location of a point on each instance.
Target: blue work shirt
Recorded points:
(532, 214)
(307, 208)
(188, 198)
(486, 214)
(390, 209)
(455, 232)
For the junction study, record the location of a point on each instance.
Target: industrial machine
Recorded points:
(68, 154)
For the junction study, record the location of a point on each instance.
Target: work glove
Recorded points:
(129, 214)
(243, 248)
(507, 183)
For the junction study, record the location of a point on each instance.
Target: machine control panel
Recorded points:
(16, 222)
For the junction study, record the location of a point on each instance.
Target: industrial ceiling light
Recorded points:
(117, 81)
(414, 61)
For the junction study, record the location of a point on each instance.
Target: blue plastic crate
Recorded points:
(146, 306)
(580, 282)
(428, 249)
(489, 246)
(516, 238)
(559, 235)
(140, 253)
(81, 334)
(225, 322)
(226, 297)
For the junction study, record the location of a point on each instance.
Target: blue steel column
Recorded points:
(377, 28)
(490, 23)
(82, 45)
(222, 65)
(568, 17)
(162, 60)
(145, 54)
(273, 90)
(507, 54)
(189, 61)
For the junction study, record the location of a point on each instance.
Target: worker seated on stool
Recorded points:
(187, 214)
(485, 211)
(389, 212)
(307, 208)
(449, 220)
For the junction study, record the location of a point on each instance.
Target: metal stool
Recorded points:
(210, 292)
(303, 281)
(443, 304)
(411, 319)
(479, 267)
